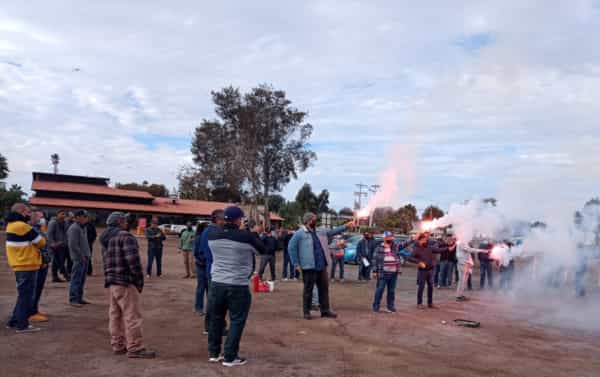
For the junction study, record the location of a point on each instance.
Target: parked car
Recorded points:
(404, 253)
(352, 240)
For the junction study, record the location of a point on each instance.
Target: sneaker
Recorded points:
(199, 313)
(314, 308)
(76, 304)
(307, 316)
(438, 286)
(120, 352)
(215, 359)
(141, 354)
(431, 306)
(58, 280)
(375, 310)
(83, 302)
(204, 332)
(38, 317)
(421, 306)
(148, 277)
(238, 361)
(329, 314)
(28, 329)
(284, 279)
(392, 310)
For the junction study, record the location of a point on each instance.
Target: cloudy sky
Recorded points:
(459, 99)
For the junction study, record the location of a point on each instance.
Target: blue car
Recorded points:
(352, 241)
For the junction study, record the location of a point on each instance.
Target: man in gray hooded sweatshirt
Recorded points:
(79, 249)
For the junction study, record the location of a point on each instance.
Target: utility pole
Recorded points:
(360, 194)
(373, 190)
(55, 160)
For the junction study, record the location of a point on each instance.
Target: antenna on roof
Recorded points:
(174, 196)
(55, 158)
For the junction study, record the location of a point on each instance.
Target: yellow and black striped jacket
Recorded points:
(23, 244)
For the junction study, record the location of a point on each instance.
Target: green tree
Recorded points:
(346, 211)
(432, 212)
(323, 202)
(154, 189)
(15, 194)
(276, 202)
(3, 167)
(306, 199)
(259, 140)
(292, 214)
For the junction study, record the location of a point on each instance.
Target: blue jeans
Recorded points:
(335, 262)
(436, 278)
(287, 264)
(485, 269)
(201, 287)
(154, 253)
(425, 277)
(78, 276)
(40, 280)
(24, 306)
(446, 273)
(236, 300)
(389, 281)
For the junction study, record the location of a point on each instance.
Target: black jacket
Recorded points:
(270, 243)
(425, 254)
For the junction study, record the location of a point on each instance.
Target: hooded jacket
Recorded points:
(23, 244)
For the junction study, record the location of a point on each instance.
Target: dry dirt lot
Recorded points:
(512, 341)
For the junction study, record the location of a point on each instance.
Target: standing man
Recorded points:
(69, 220)
(40, 279)
(186, 245)
(57, 240)
(268, 257)
(201, 276)
(91, 236)
(485, 266)
(80, 255)
(307, 250)
(202, 251)
(387, 268)
(423, 256)
(124, 279)
(364, 251)
(23, 246)
(155, 238)
(337, 257)
(232, 250)
(287, 261)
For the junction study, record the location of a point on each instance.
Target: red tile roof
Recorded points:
(160, 206)
(88, 189)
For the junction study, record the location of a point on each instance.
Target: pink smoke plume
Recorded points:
(396, 182)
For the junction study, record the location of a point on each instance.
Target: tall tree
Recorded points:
(259, 140)
(3, 167)
(323, 201)
(276, 202)
(306, 199)
(432, 212)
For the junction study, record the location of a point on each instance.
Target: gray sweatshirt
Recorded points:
(78, 242)
(57, 232)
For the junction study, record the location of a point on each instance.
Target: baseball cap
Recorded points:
(388, 234)
(233, 213)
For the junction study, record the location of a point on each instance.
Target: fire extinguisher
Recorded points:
(255, 282)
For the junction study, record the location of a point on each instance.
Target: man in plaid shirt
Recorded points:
(124, 278)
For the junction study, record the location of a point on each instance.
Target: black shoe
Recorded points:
(314, 308)
(142, 354)
(238, 361)
(328, 314)
(307, 316)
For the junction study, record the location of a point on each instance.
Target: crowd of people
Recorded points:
(222, 256)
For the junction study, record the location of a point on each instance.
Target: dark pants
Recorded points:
(58, 262)
(318, 278)
(25, 294)
(264, 260)
(201, 287)
(436, 279)
(78, 281)
(69, 263)
(445, 274)
(485, 269)
(580, 273)
(389, 281)
(469, 283)
(154, 253)
(236, 300)
(90, 268)
(40, 281)
(364, 273)
(287, 264)
(337, 262)
(506, 275)
(425, 276)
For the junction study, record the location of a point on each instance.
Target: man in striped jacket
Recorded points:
(23, 246)
(387, 268)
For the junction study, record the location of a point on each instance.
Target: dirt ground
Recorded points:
(512, 340)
